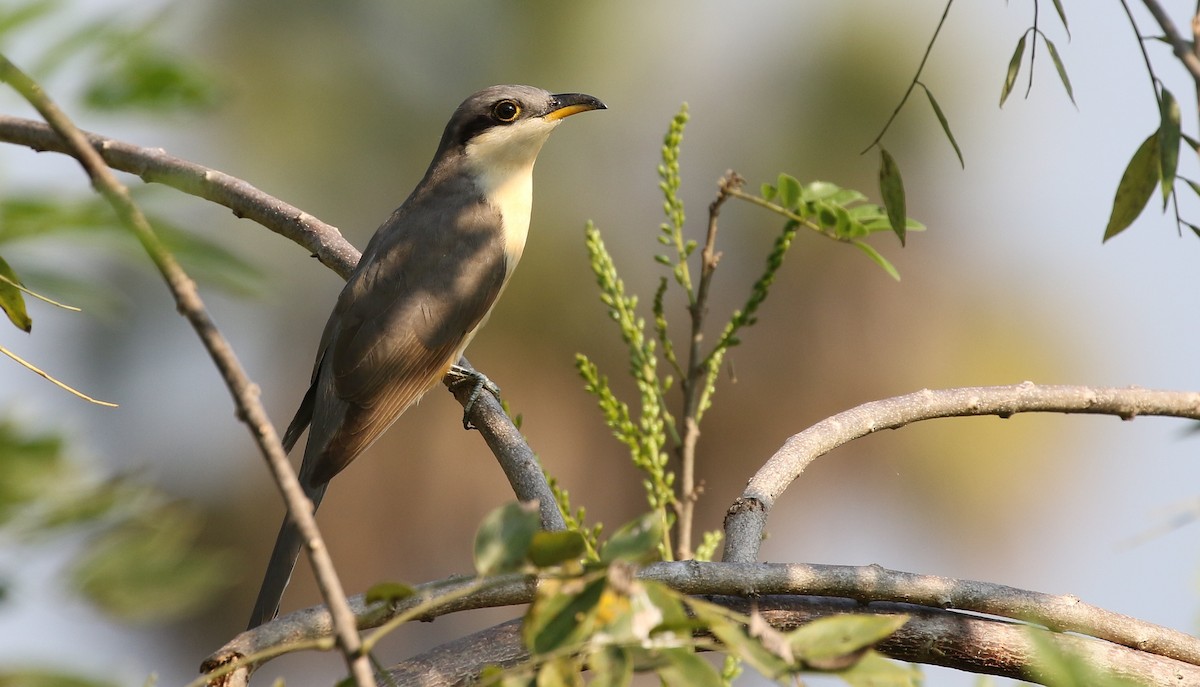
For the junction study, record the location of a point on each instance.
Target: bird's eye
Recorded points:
(506, 110)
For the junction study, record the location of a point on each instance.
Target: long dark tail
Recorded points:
(290, 541)
(283, 561)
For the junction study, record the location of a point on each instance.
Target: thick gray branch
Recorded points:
(746, 519)
(1144, 643)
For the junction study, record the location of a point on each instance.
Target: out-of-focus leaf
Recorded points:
(46, 678)
(1136, 186)
(389, 592)
(151, 568)
(552, 548)
(878, 259)
(829, 638)
(941, 117)
(636, 541)
(611, 667)
(504, 537)
(873, 670)
(12, 301)
(789, 190)
(1014, 67)
(685, 669)
(891, 187)
(23, 14)
(207, 260)
(30, 465)
(1168, 143)
(1062, 16)
(563, 612)
(151, 80)
(732, 633)
(1061, 69)
(559, 672)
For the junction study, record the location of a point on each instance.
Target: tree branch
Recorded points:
(941, 634)
(1178, 44)
(244, 392)
(746, 519)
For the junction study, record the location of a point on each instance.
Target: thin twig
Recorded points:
(46, 376)
(912, 84)
(692, 385)
(244, 392)
(746, 519)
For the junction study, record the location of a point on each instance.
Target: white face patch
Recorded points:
(502, 158)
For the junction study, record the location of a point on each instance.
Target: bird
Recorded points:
(424, 285)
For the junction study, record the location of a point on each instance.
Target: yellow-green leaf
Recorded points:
(1136, 186)
(1062, 70)
(12, 301)
(1014, 66)
(552, 548)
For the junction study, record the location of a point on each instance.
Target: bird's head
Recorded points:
(505, 126)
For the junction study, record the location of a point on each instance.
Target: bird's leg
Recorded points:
(479, 383)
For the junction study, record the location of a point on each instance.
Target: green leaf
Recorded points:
(685, 669)
(874, 670)
(12, 301)
(768, 192)
(1014, 67)
(151, 568)
(878, 258)
(504, 537)
(24, 14)
(150, 79)
(1062, 70)
(891, 187)
(560, 672)
(1136, 186)
(1062, 16)
(30, 467)
(46, 678)
(826, 639)
(563, 613)
(789, 190)
(1168, 143)
(389, 593)
(635, 541)
(941, 117)
(551, 548)
(610, 666)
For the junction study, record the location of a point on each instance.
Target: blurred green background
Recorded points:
(337, 107)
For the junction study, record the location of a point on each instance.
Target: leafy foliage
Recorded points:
(142, 561)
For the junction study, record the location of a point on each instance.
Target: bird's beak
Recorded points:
(567, 104)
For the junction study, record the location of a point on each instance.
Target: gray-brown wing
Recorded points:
(426, 282)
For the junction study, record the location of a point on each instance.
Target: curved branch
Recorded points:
(746, 519)
(931, 636)
(861, 585)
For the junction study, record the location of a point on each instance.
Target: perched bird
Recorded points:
(423, 287)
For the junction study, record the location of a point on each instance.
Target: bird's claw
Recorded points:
(479, 383)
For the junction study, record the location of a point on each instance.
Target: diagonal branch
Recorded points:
(1183, 50)
(746, 519)
(244, 392)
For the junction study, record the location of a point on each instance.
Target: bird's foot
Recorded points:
(478, 382)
